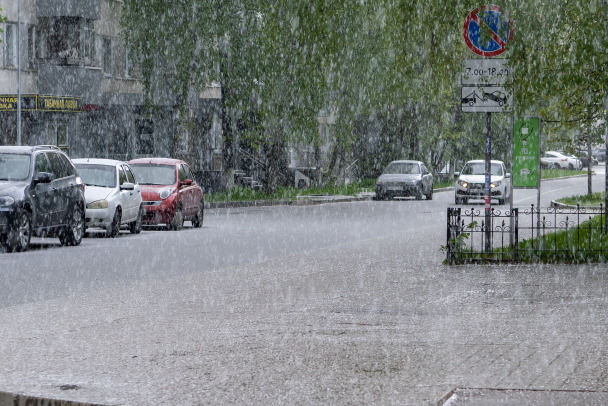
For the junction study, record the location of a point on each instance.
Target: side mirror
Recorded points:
(44, 177)
(508, 175)
(127, 186)
(456, 174)
(186, 182)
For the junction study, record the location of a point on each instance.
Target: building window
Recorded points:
(127, 62)
(87, 40)
(107, 56)
(145, 136)
(10, 45)
(32, 48)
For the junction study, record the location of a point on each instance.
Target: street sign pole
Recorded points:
(488, 229)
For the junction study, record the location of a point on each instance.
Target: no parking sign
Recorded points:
(487, 30)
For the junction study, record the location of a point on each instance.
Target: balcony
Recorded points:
(74, 81)
(88, 9)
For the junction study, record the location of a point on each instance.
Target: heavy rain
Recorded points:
(309, 202)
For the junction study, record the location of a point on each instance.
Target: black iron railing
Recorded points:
(527, 235)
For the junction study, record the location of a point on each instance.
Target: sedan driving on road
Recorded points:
(403, 179)
(471, 182)
(169, 191)
(112, 194)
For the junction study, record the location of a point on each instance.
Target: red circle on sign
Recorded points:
(471, 30)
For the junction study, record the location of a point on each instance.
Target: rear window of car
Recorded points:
(151, 174)
(402, 168)
(14, 166)
(97, 175)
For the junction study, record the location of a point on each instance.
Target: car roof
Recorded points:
(27, 149)
(98, 161)
(405, 161)
(156, 161)
(476, 161)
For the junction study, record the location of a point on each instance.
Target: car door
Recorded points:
(188, 192)
(42, 192)
(130, 199)
(427, 180)
(64, 186)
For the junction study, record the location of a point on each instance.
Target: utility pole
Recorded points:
(19, 72)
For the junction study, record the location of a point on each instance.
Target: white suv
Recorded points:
(471, 182)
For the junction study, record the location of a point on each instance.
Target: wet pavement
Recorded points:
(374, 321)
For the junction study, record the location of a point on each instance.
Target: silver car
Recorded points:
(113, 197)
(404, 179)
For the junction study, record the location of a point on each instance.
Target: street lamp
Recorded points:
(19, 72)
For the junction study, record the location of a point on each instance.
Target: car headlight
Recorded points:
(463, 183)
(494, 184)
(6, 201)
(98, 204)
(165, 193)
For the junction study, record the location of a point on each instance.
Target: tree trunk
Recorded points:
(275, 157)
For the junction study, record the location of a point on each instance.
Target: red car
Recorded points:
(169, 191)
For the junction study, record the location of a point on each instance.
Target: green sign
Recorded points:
(526, 153)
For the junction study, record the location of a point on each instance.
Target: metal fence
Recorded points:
(527, 235)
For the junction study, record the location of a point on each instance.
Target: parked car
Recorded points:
(558, 160)
(112, 195)
(585, 161)
(404, 179)
(472, 180)
(169, 191)
(41, 194)
(599, 154)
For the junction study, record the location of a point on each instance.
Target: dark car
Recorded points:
(497, 96)
(403, 179)
(41, 194)
(169, 191)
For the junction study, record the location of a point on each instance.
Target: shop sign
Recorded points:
(41, 103)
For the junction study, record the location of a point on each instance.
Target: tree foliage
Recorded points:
(389, 70)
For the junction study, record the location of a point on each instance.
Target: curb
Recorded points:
(557, 205)
(304, 201)
(11, 399)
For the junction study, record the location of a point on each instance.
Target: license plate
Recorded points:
(395, 188)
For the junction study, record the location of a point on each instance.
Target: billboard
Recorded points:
(526, 153)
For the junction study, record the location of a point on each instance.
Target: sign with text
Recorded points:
(33, 102)
(526, 153)
(486, 72)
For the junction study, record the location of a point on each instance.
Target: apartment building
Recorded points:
(81, 91)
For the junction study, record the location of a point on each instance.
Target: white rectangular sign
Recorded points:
(486, 99)
(486, 72)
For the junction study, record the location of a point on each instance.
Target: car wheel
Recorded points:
(115, 226)
(457, 200)
(571, 167)
(430, 195)
(501, 202)
(178, 220)
(20, 234)
(135, 226)
(555, 166)
(419, 192)
(197, 221)
(74, 231)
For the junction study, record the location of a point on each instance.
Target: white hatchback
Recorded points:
(113, 197)
(471, 182)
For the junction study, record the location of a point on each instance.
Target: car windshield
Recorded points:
(97, 175)
(150, 174)
(479, 168)
(402, 168)
(14, 166)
